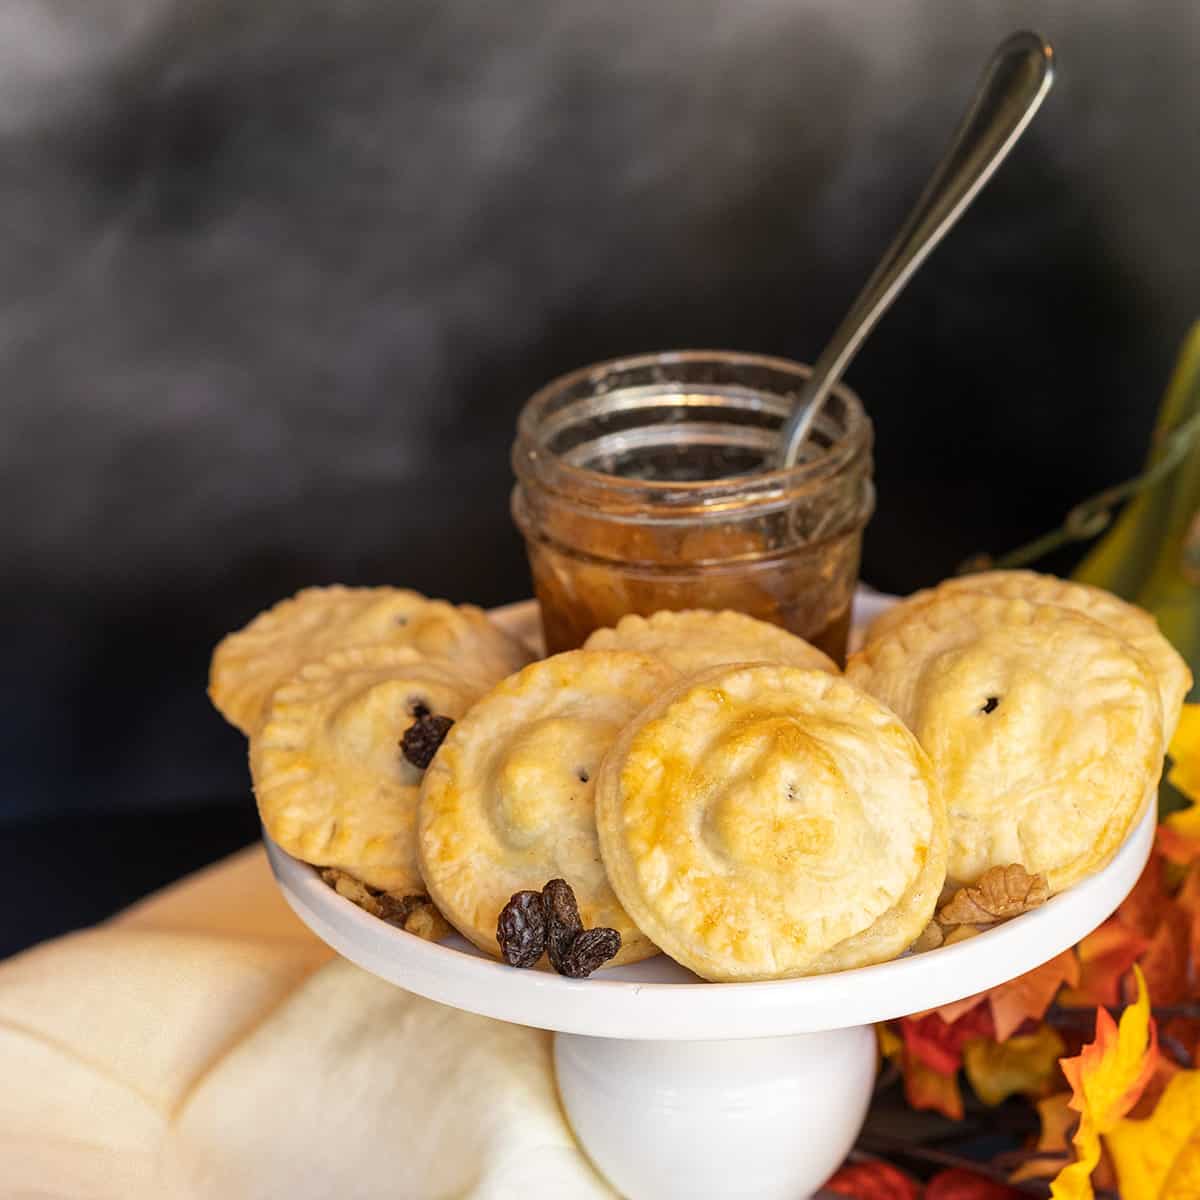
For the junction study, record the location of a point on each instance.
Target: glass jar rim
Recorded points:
(532, 457)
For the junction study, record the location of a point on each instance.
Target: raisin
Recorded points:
(591, 948)
(521, 929)
(423, 737)
(562, 921)
(993, 703)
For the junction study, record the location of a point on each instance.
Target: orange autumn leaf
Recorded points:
(957, 1008)
(1159, 1158)
(1028, 996)
(957, 1183)
(1023, 1065)
(1057, 1120)
(927, 1089)
(1025, 998)
(1105, 955)
(1106, 1078)
(1177, 847)
(873, 1181)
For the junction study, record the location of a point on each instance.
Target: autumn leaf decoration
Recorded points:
(1107, 1079)
(1159, 1157)
(1118, 1112)
(1179, 834)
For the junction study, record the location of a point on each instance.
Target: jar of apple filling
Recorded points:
(648, 483)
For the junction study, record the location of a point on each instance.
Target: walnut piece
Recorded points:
(930, 938)
(960, 933)
(415, 914)
(999, 893)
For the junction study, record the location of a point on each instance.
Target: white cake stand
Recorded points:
(678, 1088)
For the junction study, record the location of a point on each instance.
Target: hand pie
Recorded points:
(248, 665)
(333, 787)
(764, 821)
(694, 640)
(1045, 729)
(1130, 623)
(508, 804)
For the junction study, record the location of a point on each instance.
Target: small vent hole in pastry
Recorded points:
(418, 708)
(990, 705)
(401, 620)
(581, 773)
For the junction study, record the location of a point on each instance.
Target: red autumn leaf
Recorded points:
(1165, 962)
(1143, 909)
(1188, 899)
(938, 1044)
(1105, 955)
(1151, 911)
(873, 1181)
(957, 1183)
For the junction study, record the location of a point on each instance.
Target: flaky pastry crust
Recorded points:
(762, 821)
(1129, 622)
(697, 639)
(332, 785)
(508, 803)
(248, 665)
(1044, 727)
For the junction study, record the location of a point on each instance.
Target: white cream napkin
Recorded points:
(205, 1045)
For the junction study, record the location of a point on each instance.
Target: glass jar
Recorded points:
(647, 483)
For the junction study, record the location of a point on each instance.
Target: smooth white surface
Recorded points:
(769, 1119)
(659, 1000)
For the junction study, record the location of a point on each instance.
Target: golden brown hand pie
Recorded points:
(1127, 621)
(508, 804)
(1043, 726)
(333, 787)
(248, 665)
(764, 821)
(697, 639)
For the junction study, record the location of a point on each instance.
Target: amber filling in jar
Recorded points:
(648, 484)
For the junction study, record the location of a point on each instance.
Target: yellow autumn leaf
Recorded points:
(1022, 1065)
(1185, 755)
(1107, 1077)
(890, 1044)
(1159, 1158)
(1057, 1120)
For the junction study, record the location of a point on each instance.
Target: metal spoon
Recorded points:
(1010, 91)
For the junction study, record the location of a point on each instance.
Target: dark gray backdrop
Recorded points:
(275, 279)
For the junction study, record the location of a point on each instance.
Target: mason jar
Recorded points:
(648, 483)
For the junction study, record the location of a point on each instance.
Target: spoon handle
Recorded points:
(1009, 93)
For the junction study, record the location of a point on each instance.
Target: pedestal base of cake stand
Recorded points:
(770, 1118)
